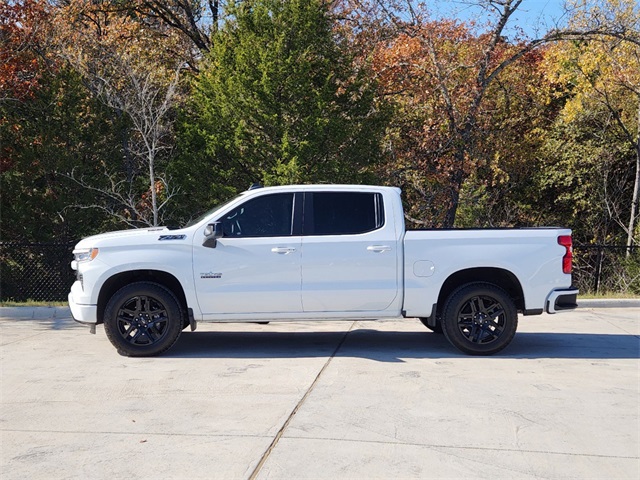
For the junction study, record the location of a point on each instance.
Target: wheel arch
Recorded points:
(117, 281)
(496, 276)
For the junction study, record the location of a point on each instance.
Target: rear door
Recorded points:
(349, 253)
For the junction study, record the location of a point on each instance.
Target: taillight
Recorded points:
(565, 241)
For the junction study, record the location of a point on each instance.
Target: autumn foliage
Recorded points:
(138, 112)
(24, 30)
(449, 125)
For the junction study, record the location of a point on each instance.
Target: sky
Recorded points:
(534, 17)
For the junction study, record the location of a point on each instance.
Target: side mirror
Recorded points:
(211, 234)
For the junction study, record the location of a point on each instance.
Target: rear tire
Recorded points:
(143, 319)
(479, 319)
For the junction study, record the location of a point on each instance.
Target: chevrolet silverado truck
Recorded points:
(318, 252)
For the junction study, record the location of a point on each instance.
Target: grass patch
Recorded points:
(607, 295)
(33, 303)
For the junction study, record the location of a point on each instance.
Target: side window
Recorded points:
(265, 216)
(343, 213)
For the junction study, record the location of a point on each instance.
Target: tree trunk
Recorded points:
(450, 217)
(456, 179)
(154, 200)
(636, 189)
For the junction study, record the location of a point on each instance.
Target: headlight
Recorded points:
(85, 254)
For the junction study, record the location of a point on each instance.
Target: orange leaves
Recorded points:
(92, 33)
(452, 112)
(23, 31)
(426, 75)
(430, 55)
(396, 63)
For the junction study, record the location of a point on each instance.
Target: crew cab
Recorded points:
(318, 252)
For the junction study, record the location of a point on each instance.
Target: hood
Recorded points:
(136, 236)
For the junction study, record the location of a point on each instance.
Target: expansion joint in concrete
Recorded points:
(280, 433)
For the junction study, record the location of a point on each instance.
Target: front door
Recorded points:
(255, 266)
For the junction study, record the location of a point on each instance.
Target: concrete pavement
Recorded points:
(327, 400)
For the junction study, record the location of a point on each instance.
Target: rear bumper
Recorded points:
(562, 300)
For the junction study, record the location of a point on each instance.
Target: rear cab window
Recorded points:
(342, 213)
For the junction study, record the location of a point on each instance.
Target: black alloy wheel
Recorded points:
(480, 319)
(143, 319)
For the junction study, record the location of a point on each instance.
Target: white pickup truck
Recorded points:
(318, 252)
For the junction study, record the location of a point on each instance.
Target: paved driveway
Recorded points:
(324, 400)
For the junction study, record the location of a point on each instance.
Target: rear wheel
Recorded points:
(479, 319)
(143, 319)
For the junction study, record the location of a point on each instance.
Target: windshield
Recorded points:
(210, 212)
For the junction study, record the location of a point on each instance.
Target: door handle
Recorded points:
(283, 250)
(379, 248)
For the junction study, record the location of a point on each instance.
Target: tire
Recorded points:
(435, 329)
(479, 319)
(143, 319)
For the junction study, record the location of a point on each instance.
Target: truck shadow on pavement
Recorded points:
(389, 346)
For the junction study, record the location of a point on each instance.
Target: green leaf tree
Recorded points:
(57, 130)
(279, 101)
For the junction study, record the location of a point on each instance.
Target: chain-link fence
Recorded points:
(42, 272)
(606, 268)
(35, 271)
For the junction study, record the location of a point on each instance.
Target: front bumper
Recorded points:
(562, 300)
(87, 314)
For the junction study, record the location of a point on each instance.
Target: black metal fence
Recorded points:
(35, 271)
(606, 268)
(42, 272)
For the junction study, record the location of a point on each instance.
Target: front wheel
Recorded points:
(437, 328)
(479, 319)
(143, 319)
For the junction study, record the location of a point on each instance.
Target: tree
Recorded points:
(191, 22)
(518, 113)
(480, 64)
(196, 20)
(278, 101)
(429, 76)
(128, 69)
(23, 36)
(44, 120)
(57, 129)
(602, 81)
(146, 101)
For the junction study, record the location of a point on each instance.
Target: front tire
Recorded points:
(479, 319)
(435, 329)
(143, 319)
